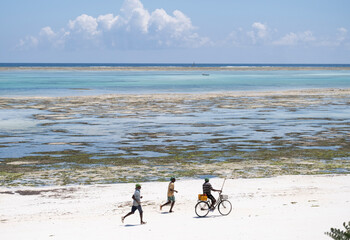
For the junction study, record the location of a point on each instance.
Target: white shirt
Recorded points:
(137, 197)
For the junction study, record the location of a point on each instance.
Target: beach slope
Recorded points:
(285, 207)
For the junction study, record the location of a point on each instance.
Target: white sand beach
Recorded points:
(284, 207)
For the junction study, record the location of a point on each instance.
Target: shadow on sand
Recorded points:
(132, 225)
(212, 216)
(166, 212)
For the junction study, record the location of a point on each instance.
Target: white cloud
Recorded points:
(47, 38)
(173, 30)
(342, 34)
(108, 21)
(289, 39)
(340, 39)
(307, 36)
(47, 32)
(131, 5)
(292, 38)
(134, 27)
(84, 24)
(135, 16)
(176, 24)
(260, 33)
(27, 43)
(261, 30)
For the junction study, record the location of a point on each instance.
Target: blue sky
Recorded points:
(182, 31)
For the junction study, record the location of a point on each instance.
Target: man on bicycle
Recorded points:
(207, 188)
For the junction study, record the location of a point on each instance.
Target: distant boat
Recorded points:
(205, 74)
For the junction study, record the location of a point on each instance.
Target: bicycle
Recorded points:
(202, 207)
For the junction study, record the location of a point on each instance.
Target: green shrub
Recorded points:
(338, 234)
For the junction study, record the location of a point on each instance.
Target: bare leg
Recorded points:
(130, 213)
(141, 217)
(161, 206)
(172, 205)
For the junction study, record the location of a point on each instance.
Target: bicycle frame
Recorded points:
(224, 206)
(218, 201)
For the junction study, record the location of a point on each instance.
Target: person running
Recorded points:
(136, 204)
(171, 196)
(207, 188)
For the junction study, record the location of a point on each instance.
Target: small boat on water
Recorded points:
(205, 74)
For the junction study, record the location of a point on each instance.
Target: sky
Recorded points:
(181, 31)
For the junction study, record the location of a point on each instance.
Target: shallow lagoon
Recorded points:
(80, 83)
(31, 130)
(189, 132)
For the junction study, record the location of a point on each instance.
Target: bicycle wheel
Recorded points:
(202, 209)
(225, 207)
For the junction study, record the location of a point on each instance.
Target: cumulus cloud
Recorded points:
(134, 27)
(107, 22)
(174, 30)
(259, 33)
(28, 42)
(341, 34)
(135, 16)
(296, 38)
(261, 30)
(85, 25)
(47, 32)
(340, 39)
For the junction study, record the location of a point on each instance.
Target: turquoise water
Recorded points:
(24, 132)
(68, 83)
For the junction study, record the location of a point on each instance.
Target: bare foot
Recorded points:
(123, 219)
(161, 207)
(171, 211)
(143, 222)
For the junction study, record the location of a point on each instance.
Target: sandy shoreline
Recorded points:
(285, 207)
(205, 95)
(172, 68)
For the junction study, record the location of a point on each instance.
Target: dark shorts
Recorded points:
(171, 199)
(211, 197)
(134, 208)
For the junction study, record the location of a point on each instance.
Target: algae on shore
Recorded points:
(128, 138)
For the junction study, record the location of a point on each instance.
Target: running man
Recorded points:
(207, 188)
(171, 196)
(136, 205)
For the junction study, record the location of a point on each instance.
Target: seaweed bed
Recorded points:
(131, 138)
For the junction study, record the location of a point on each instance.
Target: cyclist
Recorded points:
(207, 188)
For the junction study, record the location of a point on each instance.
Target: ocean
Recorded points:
(72, 82)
